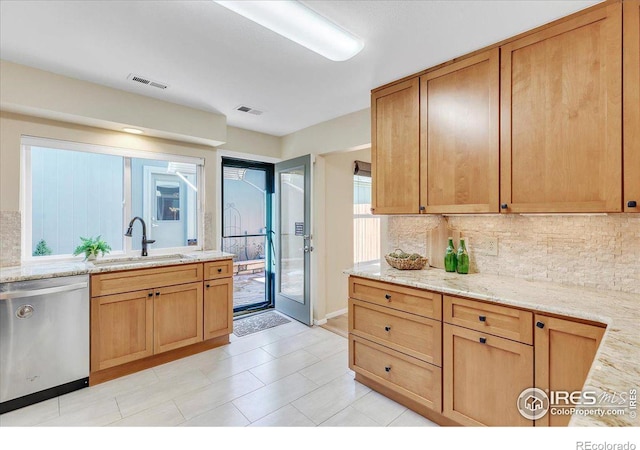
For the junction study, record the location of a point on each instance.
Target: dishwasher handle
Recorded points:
(45, 291)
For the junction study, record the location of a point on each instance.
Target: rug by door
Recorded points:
(258, 322)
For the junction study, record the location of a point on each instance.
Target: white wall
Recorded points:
(45, 94)
(348, 132)
(338, 242)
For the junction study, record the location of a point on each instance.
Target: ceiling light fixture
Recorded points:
(300, 24)
(133, 130)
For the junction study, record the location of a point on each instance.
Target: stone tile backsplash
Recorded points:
(581, 250)
(10, 225)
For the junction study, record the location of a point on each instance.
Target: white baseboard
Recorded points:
(337, 313)
(330, 316)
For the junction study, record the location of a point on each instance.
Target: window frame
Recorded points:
(26, 194)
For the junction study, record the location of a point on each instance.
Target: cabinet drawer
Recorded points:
(414, 335)
(218, 269)
(416, 301)
(415, 379)
(134, 280)
(503, 321)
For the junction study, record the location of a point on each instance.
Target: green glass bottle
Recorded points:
(463, 258)
(450, 258)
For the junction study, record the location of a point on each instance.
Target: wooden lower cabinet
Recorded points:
(483, 375)
(218, 307)
(121, 328)
(408, 376)
(177, 316)
(564, 352)
(155, 324)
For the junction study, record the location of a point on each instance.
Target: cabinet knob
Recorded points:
(482, 318)
(387, 296)
(150, 294)
(504, 206)
(422, 208)
(387, 368)
(632, 203)
(208, 285)
(483, 340)
(540, 324)
(220, 270)
(157, 293)
(387, 328)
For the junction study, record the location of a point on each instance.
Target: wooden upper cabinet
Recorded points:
(459, 140)
(631, 77)
(395, 148)
(561, 116)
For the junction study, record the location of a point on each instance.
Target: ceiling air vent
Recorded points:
(250, 110)
(144, 80)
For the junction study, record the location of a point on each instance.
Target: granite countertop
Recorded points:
(52, 268)
(616, 367)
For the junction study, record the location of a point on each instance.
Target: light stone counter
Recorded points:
(616, 367)
(50, 269)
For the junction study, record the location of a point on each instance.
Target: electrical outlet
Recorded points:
(492, 246)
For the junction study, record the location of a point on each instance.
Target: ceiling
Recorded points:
(215, 60)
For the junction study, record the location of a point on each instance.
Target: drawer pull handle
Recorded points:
(387, 368)
(483, 340)
(220, 270)
(540, 324)
(387, 296)
(482, 318)
(387, 328)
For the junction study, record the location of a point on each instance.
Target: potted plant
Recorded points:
(91, 247)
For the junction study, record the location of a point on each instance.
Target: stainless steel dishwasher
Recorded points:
(44, 339)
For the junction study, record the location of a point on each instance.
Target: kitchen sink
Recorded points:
(177, 257)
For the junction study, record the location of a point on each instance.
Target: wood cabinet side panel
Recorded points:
(631, 107)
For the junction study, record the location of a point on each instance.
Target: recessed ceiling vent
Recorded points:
(144, 80)
(250, 110)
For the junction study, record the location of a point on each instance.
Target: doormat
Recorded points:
(259, 322)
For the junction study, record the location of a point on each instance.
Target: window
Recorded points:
(366, 227)
(73, 190)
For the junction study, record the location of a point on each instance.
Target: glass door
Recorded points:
(293, 238)
(247, 191)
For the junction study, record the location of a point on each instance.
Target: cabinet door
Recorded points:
(395, 149)
(218, 308)
(177, 313)
(459, 145)
(631, 77)
(121, 328)
(564, 352)
(482, 380)
(561, 117)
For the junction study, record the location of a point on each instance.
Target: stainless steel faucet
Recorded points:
(145, 241)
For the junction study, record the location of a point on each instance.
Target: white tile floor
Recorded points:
(290, 375)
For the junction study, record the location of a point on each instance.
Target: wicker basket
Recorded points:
(405, 263)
